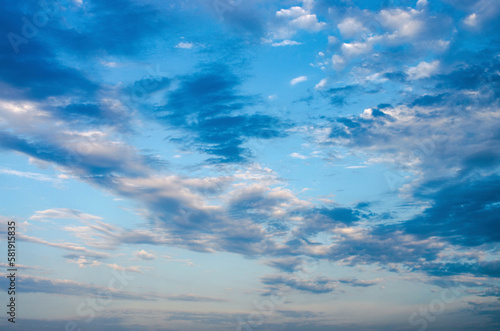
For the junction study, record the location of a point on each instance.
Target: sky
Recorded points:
(251, 165)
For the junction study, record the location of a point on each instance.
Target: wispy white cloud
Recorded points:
(63, 213)
(25, 174)
(349, 27)
(423, 70)
(297, 80)
(298, 156)
(296, 18)
(471, 20)
(78, 249)
(138, 269)
(185, 45)
(143, 255)
(321, 84)
(285, 42)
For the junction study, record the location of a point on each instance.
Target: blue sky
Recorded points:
(252, 165)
